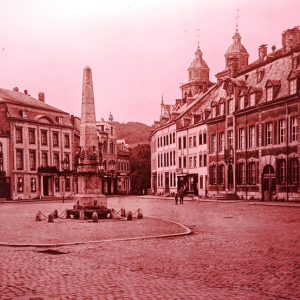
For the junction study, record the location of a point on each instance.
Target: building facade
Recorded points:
(36, 146)
(250, 119)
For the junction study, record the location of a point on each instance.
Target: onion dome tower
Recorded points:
(198, 72)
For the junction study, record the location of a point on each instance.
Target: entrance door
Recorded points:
(108, 185)
(5, 187)
(269, 183)
(167, 184)
(46, 185)
(230, 178)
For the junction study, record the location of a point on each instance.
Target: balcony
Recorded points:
(48, 170)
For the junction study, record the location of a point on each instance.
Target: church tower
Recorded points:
(236, 58)
(198, 73)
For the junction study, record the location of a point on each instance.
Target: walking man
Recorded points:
(181, 194)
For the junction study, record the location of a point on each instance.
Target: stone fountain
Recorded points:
(88, 159)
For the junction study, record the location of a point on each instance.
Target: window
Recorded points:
(213, 175)
(68, 185)
(294, 129)
(179, 143)
(174, 158)
(204, 138)
(269, 93)
(56, 160)
(19, 135)
(241, 138)
(213, 143)
(184, 142)
(269, 133)
(241, 174)
(19, 160)
(282, 171)
(221, 174)
(260, 75)
(251, 173)
(158, 142)
(221, 109)
(194, 141)
(230, 107)
(1, 165)
(200, 160)
(56, 183)
(294, 171)
(33, 184)
(251, 136)
(44, 159)
(282, 131)
(293, 86)
(31, 136)
(55, 139)
(173, 137)
(200, 138)
(190, 141)
(32, 160)
(213, 111)
(230, 139)
(204, 160)
(252, 99)
(179, 163)
(221, 142)
(242, 102)
(195, 161)
(20, 184)
(44, 138)
(191, 162)
(184, 162)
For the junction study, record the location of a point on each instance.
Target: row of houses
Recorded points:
(237, 136)
(38, 146)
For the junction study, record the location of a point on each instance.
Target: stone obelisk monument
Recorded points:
(89, 182)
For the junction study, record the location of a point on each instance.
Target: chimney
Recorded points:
(25, 92)
(262, 52)
(290, 38)
(42, 97)
(15, 89)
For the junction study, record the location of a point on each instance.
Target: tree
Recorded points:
(140, 170)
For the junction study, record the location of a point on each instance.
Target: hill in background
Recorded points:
(133, 133)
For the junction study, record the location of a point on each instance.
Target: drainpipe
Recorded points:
(287, 152)
(246, 165)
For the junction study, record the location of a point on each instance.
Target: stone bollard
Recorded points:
(81, 215)
(95, 217)
(50, 218)
(55, 214)
(112, 214)
(140, 213)
(129, 215)
(38, 216)
(123, 212)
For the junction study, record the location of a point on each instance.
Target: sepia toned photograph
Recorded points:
(149, 149)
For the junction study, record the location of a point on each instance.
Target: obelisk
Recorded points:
(89, 182)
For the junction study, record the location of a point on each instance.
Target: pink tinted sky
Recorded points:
(137, 50)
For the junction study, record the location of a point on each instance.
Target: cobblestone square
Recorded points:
(236, 251)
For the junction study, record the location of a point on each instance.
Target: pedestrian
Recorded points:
(181, 194)
(176, 198)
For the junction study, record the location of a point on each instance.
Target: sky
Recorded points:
(138, 50)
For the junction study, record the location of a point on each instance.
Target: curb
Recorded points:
(187, 232)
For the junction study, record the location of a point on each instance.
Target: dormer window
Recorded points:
(260, 75)
(269, 93)
(242, 102)
(272, 89)
(222, 105)
(252, 99)
(293, 86)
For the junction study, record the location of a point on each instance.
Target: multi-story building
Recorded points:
(250, 119)
(36, 147)
(178, 140)
(123, 167)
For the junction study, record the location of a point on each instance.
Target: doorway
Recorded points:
(230, 178)
(46, 185)
(268, 183)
